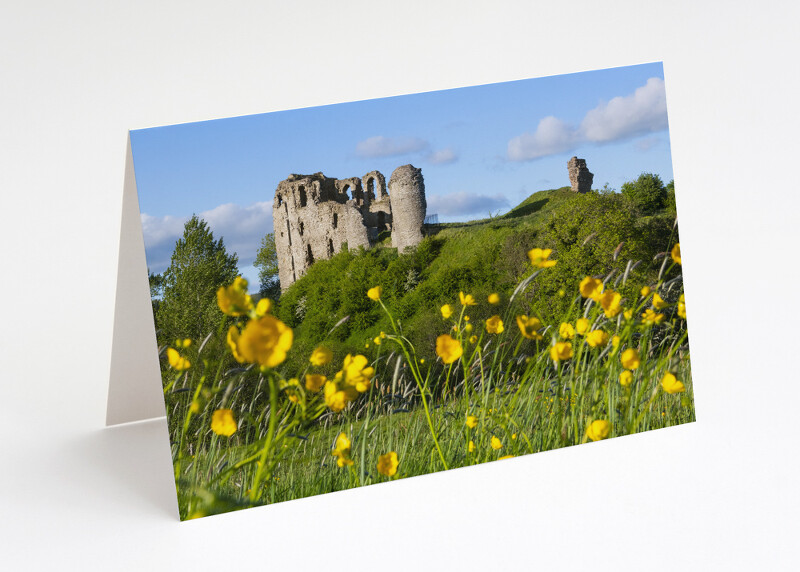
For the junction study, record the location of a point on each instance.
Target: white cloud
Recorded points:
(241, 229)
(380, 146)
(647, 143)
(551, 136)
(643, 111)
(461, 203)
(442, 156)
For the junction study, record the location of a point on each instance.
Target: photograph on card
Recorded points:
(369, 291)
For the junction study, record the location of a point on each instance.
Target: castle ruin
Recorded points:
(579, 176)
(314, 216)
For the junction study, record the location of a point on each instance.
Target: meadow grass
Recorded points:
(507, 386)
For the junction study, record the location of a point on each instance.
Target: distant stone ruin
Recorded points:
(314, 216)
(579, 176)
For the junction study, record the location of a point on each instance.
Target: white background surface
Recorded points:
(718, 494)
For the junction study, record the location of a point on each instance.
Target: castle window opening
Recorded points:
(330, 247)
(335, 220)
(309, 255)
(302, 228)
(381, 219)
(303, 198)
(371, 186)
(346, 191)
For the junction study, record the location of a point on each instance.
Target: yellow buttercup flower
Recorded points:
(610, 301)
(671, 384)
(223, 423)
(466, 299)
(650, 318)
(472, 421)
(264, 340)
(645, 291)
(320, 356)
(383, 335)
(599, 429)
(194, 407)
(377, 340)
(676, 253)
(447, 311)
(615, 341)
(529, 327)
(582, 326)
(315, 381)
(468, 328)
(539, 258)
(566, 331)
(387, 464)
(626, 378)
(505, 457)
(628, 314)
(597, 338)
(342, 451)
(630, 359)
(591, 288)
(356, 373)
(473, 339)
(177, 361)
(682, 307)
(234, 300)
(496, 444)
(374, 293)
(183, 343)
(494, 325)
(494, 298)
(233, 343)
(289, 386)
(561, 351)
(471, 446)
(658, 302)
(338, 396)
(263, 307)
(448, 349)
(466, 319)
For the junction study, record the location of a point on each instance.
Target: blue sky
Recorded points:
(481, 149)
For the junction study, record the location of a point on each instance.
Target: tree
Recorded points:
(647, 192)
(199, 266)
(156, 286)
(267, 264)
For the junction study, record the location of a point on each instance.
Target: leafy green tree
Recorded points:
(156, 287)
(267, 264)
(671, 208)
(199, 266)
(647, 192)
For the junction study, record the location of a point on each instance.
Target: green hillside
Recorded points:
(478, 257)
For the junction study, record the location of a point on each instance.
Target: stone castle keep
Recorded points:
(314, 216)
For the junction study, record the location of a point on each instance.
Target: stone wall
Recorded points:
(314, 216)
(579, 176)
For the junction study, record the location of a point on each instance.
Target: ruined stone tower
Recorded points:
(407, 192)
(579, 176)
(314, 216)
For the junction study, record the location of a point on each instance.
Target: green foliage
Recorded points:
(199, 266)
(481, 257)
(670, 206)
(647, 192)
(267, 263)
